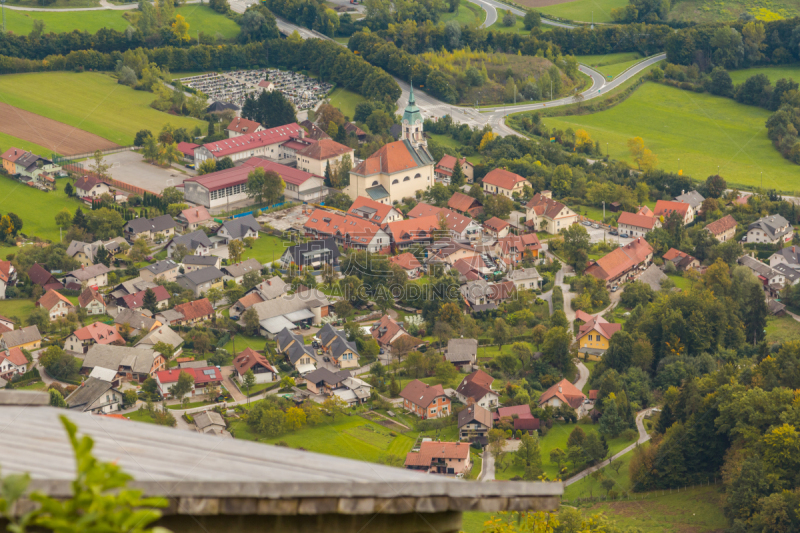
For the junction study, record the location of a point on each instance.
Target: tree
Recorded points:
(64, 218)
(532, 20)
(130, 398)
(561, 182)
(497, 443)
(528, 457)
(39, 318)
(248, 382)
(102, 256)
(207, 166)
(294, 419)
(150, 301)
(721, 83)
(509, 19)
(645, 159)
(180, 28)
(501, 332)
(213, 295)
(594, 448)
(235, 251)
(457, 179)
(183, 386)
(100, 167)
(755, 314)
(558, 456)
(56, 399)
(576, 437)
(224, 163)
(556, 348)
(335, 406)
(165, 349)
(611, 424)
(576, 246)
(140, 137)
(251, 321)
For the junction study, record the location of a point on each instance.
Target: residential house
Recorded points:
(84, 252)
(791, 275)
(96, 396)
(239, 229)
(8, 276)
(477, 292)
(343, 353)
(94, 276)
(13, 362)
(449, 251)
(473, 422)
(665, 208)
(302, 357)
(6, 324)
(561, 393)
(505, 415)
(595, 334)
(502, 291)
(136, 321)
(27, 338)
(622, 264)
(242, 126)
(354, 130)
(460, 226)
(90, 187)
(425, 401)
(10, 157)
(166, 269)
(97, 333)
(680, 260)
(447, 164)
(136, 300)
(237, 271)
(324, 381)
(194, 218)
(496, 227)
(56, 304)
(349, 231)
(409, 263)
(313, 131)
(202, 280)
(132, 286)
(149, 228)
(502, 182)
(525, 278)
(636, 225)
(440, 458)
(772, 279)
(789, 256)
(476, 389)
(375, 212)
(465, 204)
(249, 359)
(196, 262)
(472, 268)
(163, 334)
(196, 242)
(463, 353)
(387, 331)
(41, 276)
(305, 307)
(269, 289)
(135, 364)
(316, 157)
(693, 198)
(353, 391)
(204, 379)
(36, 171)
(542, 213)
(188, 313)
(773, 229)
(513, 249)
(414, 231)
(312, 254)
(210, 423)
(723, 229)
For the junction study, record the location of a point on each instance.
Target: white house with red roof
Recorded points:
(375, 212)
(242, 126)
(90, 187)
(266, 143)
(545, 214)
(446, 165)
(436, 457)
(409, 263)
(501, 181)
(425, 401)
(203, 377)
(561, 393)
(636, 225)
(665, 208)
(622, 264)
(8, 276)
(496, 227)
(460, 226)
(420, 230)
(98, 333)
(12, 362)
(349, 231)
(315, 157)
(249, 359)
(194, 217)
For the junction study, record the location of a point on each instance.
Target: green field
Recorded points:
(518, 27)
(583, 10)
(90, 101)
(7, 140)
(468, 15)
(694, 132)
(773, 73)
(346, 101)
(267, 248)
(200, 18)
(701, 11)
(782, 329)
(57, 4)
(611, 65)
(590, 486)
(680, 282)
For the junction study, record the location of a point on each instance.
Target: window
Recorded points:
(374, 183)
(406, 179)
(395, 182)
(590, 337)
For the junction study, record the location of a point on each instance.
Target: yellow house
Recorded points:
(27, 338)
(594, 335)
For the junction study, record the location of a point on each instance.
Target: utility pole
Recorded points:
(3, 3)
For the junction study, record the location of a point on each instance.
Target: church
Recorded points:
(399, 169)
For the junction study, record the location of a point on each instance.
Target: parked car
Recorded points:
(615, 288)
(624, 235)
(596, 226)
(613, 232)
(586, 223)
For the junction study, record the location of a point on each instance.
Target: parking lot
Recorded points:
(602, 234)
(131, 168)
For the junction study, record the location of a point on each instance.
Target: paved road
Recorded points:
(491, 7)
(643, 437)
(583, 373)
(488, 466)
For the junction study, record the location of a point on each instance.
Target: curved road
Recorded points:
(491, 7)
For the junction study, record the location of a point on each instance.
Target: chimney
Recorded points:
(302, 133)
(559, 388)
(683, 191)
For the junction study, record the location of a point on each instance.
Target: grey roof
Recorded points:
(90, 249)
(86, 394)
(135, 285)
(160, 267)
(208, 418)
(775, 306)
(157, 224)
(774, 226)
(285, 337)
(240, 269)
(323, 374)
(207, 260)
(758, 267)
(298, 350)
(169, 316)
(790, 253)
(461, 350)
(791, 274)
(523, 273)
(21, 336)
(341, 345)
(134, 319)
(491, 306)
(239, 226)
(162, 334)
(193, 239)
(327, 333)
(202, 275)
(653, 277)
(290, 303)
(474, 290)
(307, 252)
(271, 288)
(140, 360)
(693, 198)
(89, 272)
(262, 477)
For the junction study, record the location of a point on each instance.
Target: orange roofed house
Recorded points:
(562, 392)
(425, 401)
(440, 458)
(665, 208)
(636, 225)
(409, 263)
(56, 304)
(349, 231)
(542, 213)
(465, 204)
(595, 334)
(373, 211)
(446, 165)
(502, 182)
(621, 265)
(97, 333)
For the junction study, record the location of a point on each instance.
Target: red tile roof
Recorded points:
(243, 125)
(195, 214)
(461, 202)
(187, 149)
(381, 210)
(406, 261)
(495, 224)
(601, 325)
(531, 241)
(502, 178)
(251, 141)
(200, 375)
(526, 424)
(99, 333)
(593, 394)
(522, 411)
(646, 211)
(391, 158)
(12, 154)
(250, 300)
(88, 296)
(324, 149)
(14, 355)
(476, 385)
(421, 394)
(672, 253)
(5, 270)
(455, 221)
(448, 162)
(469, 264)
(414, 228)
(428, 451)
(196, 309)
(640, 221)
(248, 358)
(583, 316)
(564, 391)
(136, 300)
(333, 224)
(614, 263)
(51, 298)
(238, 175)
(544, 206)
(722, 225)
(664, 208)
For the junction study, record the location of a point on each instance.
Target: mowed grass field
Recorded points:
(346, 101)
(36, 208)
(468, 15)
(694, 132)
(700, 11)
(7, 141)
(773, 73)
(200, 18)
(582, 10)
(90, 101)
(611, 65)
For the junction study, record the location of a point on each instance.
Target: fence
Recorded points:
(61, 158)
(75, 168)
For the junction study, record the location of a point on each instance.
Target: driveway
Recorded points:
(488, 466)
(583, 375)
(227, 372)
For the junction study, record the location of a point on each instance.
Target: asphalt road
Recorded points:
(491, 7)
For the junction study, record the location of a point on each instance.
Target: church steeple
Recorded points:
(412, 122)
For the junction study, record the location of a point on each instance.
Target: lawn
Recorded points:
(556, 438)
(90, 101)
(20, 309)
(346, 101)
(7, 141)
(38, 386)
(583, 10)
(200, 18)
(611, 65)
(518, 27)
(468, 15)
(352, 437)
(680, 282)
(697, 133)
(590, 486)
(782, 328)
(267, 248)
(57, 4)
(242, 342)
(15, 196)
(773, 73)
(593, 212)
(141, 415)
(702, 11)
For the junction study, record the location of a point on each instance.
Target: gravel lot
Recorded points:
(131, 168)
